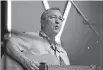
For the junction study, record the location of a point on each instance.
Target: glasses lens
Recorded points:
(55, 17)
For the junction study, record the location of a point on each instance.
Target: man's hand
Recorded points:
(32, 65)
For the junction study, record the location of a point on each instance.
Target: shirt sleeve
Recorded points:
(15, 51)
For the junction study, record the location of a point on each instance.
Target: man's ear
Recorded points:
(42, 23)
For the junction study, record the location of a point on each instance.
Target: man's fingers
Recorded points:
(35, 67)
(36, 63)
(32, 68)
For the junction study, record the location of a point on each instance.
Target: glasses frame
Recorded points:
(54, 17)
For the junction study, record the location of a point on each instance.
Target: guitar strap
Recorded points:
(55, 49)
(61, 61)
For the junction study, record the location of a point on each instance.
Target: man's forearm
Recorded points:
(16, 53)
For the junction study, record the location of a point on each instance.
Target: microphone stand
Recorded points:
(86, 21)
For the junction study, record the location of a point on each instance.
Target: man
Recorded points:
(24, 48)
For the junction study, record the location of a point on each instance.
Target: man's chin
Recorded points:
(56, 31)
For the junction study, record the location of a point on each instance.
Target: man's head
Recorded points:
(51, 21)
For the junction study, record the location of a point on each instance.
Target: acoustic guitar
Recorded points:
(50, 62)
(47, 62)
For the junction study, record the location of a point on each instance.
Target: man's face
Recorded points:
(53, 21)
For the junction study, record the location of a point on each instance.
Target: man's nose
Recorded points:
(57, 21)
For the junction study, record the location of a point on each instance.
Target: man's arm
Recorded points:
(13, 50)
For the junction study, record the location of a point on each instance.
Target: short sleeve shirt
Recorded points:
(35, 44)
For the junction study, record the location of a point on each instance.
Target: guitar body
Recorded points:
(51, 60)
(12, 65)
(45, 58)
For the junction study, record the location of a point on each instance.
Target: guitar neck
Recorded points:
(65, 67)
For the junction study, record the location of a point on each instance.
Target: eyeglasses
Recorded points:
(53, 17)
